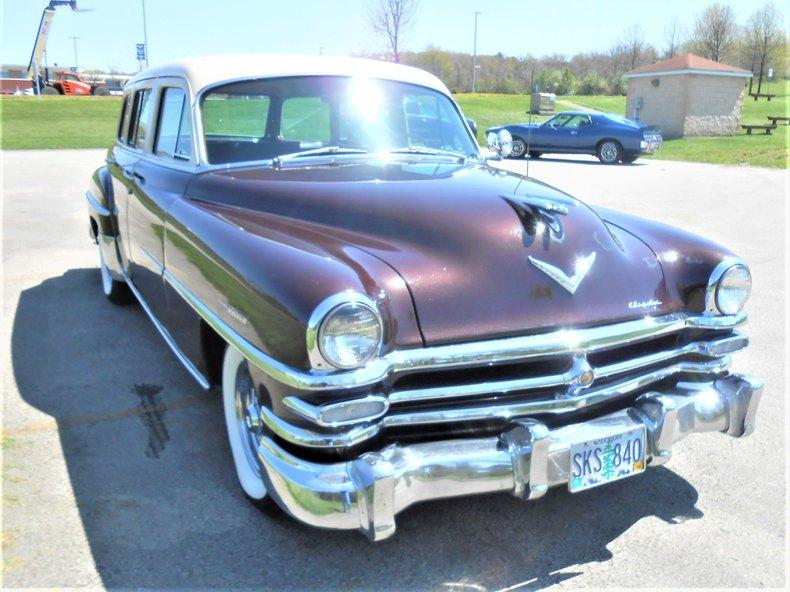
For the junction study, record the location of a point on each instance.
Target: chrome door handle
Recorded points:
(128, 174)
(574, 132)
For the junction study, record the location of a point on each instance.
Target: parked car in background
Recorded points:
(391, 319)
(612, 138)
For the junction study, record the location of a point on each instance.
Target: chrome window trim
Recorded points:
(713, 282)
(314, 353)
(457, 355)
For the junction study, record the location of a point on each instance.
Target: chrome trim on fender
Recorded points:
(100, 209)
(527, 459)
(488, 411)
(456, 356)
(196, 374)
(317, 414)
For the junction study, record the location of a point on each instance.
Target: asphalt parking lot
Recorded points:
(116, 469)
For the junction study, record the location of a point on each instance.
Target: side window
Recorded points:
(306, 120)
(174, 132)
(121, 135)
(140, 118)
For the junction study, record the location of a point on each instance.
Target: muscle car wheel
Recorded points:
(116, 291)
(609, 151)
(243, 419)
(519, 148)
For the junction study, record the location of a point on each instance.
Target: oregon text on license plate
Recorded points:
(607, 459)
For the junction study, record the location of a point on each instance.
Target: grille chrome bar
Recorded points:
(491, 410)
(713, 348)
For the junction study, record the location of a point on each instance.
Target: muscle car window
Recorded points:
(141, 117)
(173, 133)
(262, 119)
(558, 120)
(577, 121)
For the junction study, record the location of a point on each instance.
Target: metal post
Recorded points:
(474, 53)
(145, 35)
(76, 64)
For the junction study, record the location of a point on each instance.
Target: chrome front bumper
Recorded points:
(525, 460)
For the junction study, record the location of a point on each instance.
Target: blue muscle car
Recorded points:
(612, 138)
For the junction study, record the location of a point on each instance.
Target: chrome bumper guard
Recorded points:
(526, 460)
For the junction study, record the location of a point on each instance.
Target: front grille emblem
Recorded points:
(570, 283)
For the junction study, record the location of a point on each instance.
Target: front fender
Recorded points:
(686, 259)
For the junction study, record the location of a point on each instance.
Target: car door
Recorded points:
(121, 159)
(548, 136)
(157, 180)
(579, 128)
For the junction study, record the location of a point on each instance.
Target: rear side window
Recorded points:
(121, 127)
(174, 131)
(140, 118)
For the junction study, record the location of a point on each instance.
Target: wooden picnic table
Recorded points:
(776, 118)
(767, 128)
(762, 96)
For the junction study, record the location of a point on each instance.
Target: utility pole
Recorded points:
(145, 35)
(76, 64)
(474, 53)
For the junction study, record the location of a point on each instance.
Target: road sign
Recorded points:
(141, 51)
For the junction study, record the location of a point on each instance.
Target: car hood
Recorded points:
(476, 263)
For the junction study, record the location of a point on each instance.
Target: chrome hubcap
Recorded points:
(106, 279)
(248, 416)
(518, 148)
(609, 152)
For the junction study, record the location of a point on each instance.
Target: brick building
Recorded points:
(687, 95)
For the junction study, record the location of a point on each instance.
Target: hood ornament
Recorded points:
(570, 283)
(545, 210)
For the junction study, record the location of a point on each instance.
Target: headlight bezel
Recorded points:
(720, 272)
(327, 310)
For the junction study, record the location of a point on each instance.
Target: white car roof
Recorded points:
(204, 71)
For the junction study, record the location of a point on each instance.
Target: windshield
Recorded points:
(263, 119)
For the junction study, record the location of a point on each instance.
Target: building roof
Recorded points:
(205, 71)
(687, 63)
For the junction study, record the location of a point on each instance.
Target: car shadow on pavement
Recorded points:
(155, 488)
(572, 160)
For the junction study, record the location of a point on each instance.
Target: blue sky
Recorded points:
(178, 28)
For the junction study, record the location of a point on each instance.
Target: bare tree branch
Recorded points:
(715, 32)
(764, 37)
(673, 38)
(389, 19)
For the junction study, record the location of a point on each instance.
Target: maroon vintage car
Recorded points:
(390, 318)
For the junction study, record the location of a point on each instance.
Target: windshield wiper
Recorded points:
(427, 152)
(325, 151)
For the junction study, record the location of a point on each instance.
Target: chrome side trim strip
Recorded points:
(196, 374)
(344, 439)
(160, 269)
(456, 356)
(100, 209)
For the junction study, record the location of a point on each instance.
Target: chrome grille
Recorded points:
(557, 374)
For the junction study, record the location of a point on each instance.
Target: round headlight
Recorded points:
(733, 289)
(350, 335)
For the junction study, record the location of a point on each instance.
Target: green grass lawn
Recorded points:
(90, 122)
(58, 122)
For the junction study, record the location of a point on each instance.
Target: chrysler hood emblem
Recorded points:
(570, 283)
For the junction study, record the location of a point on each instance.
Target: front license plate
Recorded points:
(601, 461)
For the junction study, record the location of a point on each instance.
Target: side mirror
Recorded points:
(501, 143)
(472, 126)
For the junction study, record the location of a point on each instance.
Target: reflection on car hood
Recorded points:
(459, 239)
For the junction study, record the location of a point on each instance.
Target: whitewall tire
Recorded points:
(243, 420)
